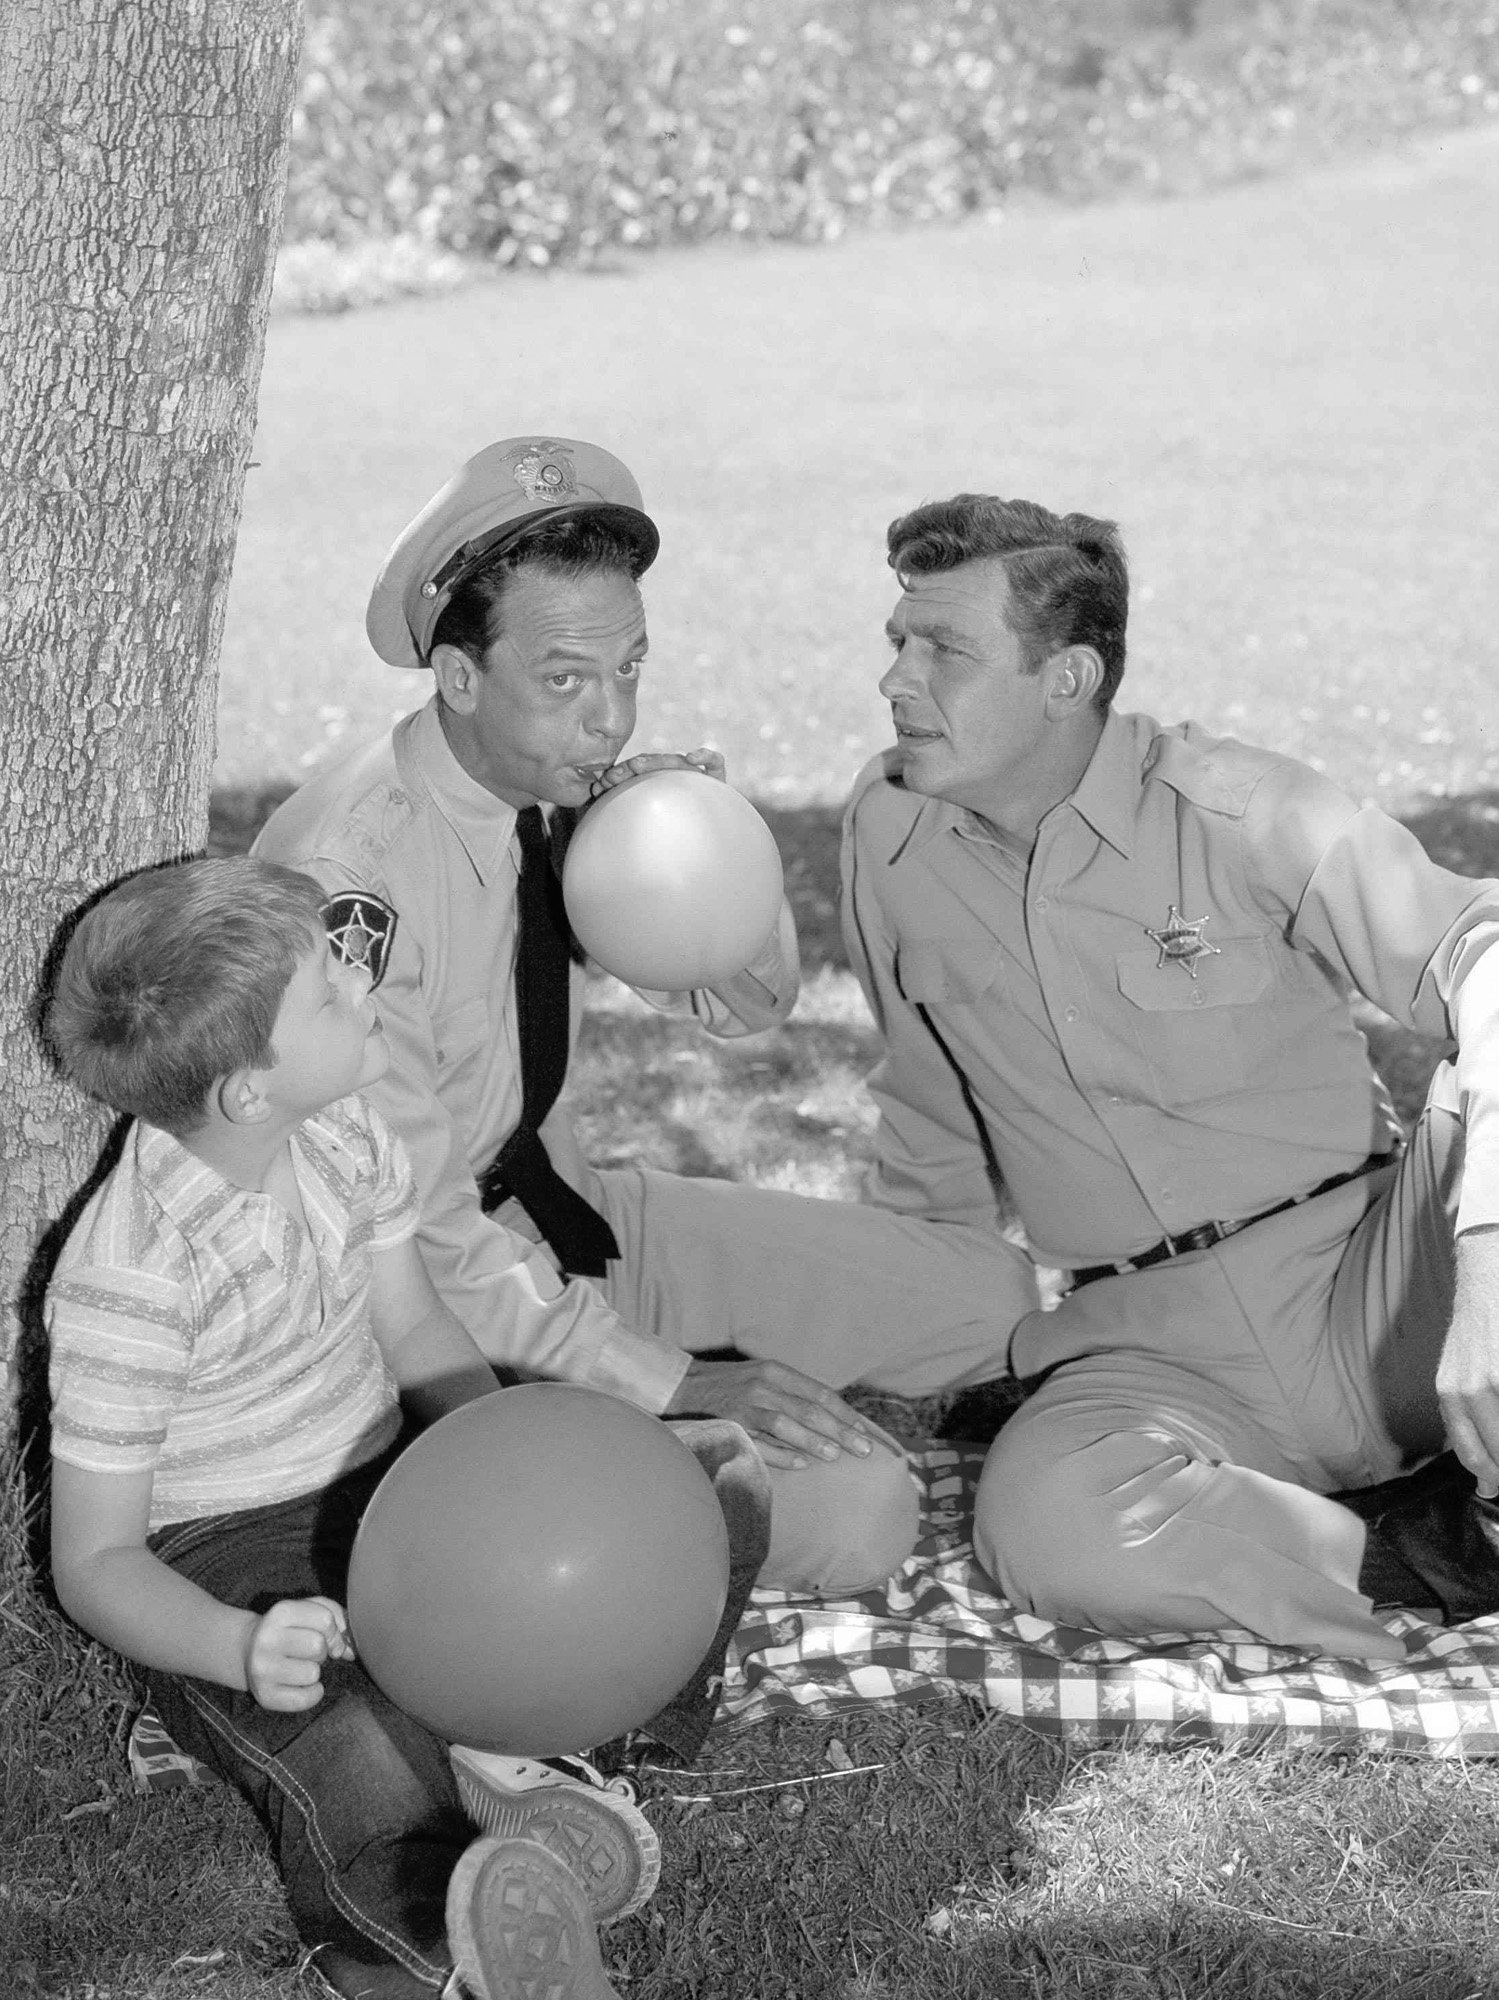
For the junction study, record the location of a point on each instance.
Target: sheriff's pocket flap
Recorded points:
(949, 968)
(461, 1032)
(1238, 972)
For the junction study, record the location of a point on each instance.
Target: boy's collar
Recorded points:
(175, 1174)
(180, 1178)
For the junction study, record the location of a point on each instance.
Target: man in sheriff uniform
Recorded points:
(516, 587)
(1109, 961)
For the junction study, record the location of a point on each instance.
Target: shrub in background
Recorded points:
(536, 130)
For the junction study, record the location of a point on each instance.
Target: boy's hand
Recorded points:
(709, 762)
(286, 1647)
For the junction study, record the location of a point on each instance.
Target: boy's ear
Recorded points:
(240, 1097)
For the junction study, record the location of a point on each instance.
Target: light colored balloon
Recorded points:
(672, 880)
(538, 1571)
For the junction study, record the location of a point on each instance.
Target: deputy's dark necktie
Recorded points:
(581, 1238)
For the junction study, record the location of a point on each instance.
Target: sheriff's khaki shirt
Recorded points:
(1131, 1091)
(404, 821)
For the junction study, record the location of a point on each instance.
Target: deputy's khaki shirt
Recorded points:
(404, 821)
(1131, 1091)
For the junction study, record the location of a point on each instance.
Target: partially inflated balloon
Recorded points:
(672, 880)
(539, 1571)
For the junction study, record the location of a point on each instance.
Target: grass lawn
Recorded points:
(1287, 394)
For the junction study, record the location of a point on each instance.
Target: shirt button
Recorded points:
(1040, 906)
(1196, 999)
(1072, 1014)
(1168, 1194)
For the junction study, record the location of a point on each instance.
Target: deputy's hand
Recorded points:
(286, 1647)
(709, 762)
(790, 1417)
(1468, 1374)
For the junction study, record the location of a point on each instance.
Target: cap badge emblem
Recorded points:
(361, 929)
(1182, 941)
(544, 471)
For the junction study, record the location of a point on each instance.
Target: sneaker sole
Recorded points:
(608, 1844)
(518, 1926)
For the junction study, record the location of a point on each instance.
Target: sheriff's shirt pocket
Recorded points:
(1199, 1036)
(950, 971)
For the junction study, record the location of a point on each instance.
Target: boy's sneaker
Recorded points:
(606, 1842)
(519, 1926)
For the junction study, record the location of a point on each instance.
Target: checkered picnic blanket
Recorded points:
(939, 1628)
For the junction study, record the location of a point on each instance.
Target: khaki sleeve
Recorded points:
(927, 1157)
(1474, 968)
(520, 1313)
(758, 998)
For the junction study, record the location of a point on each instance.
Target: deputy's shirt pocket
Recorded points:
(461, 1037)
(950, 971)
(1200, 1036)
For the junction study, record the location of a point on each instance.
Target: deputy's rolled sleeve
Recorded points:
(750, 1001)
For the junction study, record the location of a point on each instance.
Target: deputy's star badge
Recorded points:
(1182, 940)
(543, 470)
(361, 929)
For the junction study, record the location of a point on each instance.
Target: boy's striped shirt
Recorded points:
(197, 1333)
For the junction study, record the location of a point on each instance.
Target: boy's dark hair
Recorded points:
(1069, 584)
(573, 545)
(174, 979)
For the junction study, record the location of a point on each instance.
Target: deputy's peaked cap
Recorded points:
(489, 504)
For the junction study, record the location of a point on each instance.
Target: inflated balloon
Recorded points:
(539, 1571)
(672, 880)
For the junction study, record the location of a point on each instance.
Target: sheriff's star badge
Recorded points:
(1182, 940)
(361, 929)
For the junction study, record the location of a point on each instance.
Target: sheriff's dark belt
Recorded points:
(1206, 1234)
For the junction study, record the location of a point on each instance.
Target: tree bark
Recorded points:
(143, 148)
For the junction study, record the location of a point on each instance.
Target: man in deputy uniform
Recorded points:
(516, 587)
(1110, 961)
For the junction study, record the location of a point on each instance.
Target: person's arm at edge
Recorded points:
(1468, 1373)
(1366, 897)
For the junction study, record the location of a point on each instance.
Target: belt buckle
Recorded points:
(1203, 1237)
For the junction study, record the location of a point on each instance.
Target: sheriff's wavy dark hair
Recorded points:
(1069, 583)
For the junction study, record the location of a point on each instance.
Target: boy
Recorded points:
(236, 1322)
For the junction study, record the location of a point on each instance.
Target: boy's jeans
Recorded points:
(358, 1798)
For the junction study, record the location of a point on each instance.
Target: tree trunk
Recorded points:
(143, 154)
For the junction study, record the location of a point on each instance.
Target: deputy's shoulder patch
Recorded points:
(361, 929)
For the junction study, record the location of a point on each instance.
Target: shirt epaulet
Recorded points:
(1218, 773)
(374, 824)
(351, 815)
